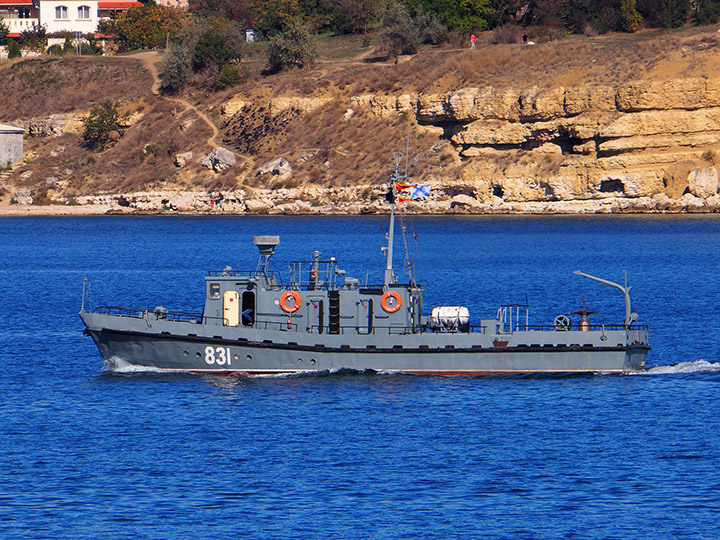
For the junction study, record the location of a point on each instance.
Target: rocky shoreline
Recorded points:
(360, 200)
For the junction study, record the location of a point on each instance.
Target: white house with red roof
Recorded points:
(19, 15)
(79, 15)
(60, 15)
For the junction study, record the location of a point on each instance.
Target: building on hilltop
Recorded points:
(11, 144)
(180, 4)
(18, 16)
(60, 15)
(79, 15)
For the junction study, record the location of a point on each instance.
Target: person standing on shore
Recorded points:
(472, 41)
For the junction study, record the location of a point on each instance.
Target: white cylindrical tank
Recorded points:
(449, 316)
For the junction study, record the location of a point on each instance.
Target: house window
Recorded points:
(23, 13)
(83, 12)
(61, 12)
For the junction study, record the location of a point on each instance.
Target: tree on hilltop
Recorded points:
(291, 48)
(354, 16)
(278, 16)
(177, 67)
(208, 48)
(144, 27)
(400, 34)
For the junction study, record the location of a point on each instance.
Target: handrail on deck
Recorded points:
(181, 316)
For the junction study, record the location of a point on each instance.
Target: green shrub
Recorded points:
(34, 40)
(100, 125)
(291, 48)
(630, 18)
(354, 16)
(277, 16)
(708, 12)
(4, 31)
(176, 69)
(229, 76)
(13, 49)
(432, 30)
(55, 49)
(400, 33)
(211, 51)
(673, 13)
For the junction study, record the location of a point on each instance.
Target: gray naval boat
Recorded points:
(322, 320)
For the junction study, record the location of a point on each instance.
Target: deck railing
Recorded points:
(181, 316)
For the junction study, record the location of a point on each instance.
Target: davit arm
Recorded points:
(629, 316)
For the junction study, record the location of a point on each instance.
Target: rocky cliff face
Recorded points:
(570, 142)
(650, 142)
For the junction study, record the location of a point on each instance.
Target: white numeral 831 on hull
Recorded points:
(218, 355)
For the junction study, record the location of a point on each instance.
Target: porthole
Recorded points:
(236, 357)
(198, 355)
(300, 361)
(312, 361)
(248, 358)
(186, 354)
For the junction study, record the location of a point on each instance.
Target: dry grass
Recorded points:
(141, 160)
(609, 59)
(40, 87)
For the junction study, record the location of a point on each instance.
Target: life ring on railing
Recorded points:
(290, 302)
(391, 301)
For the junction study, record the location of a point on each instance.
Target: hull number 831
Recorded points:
(217, 355)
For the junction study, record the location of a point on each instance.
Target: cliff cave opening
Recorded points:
(498, 191)
(612, 186)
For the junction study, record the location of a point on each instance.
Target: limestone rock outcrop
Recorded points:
(218, 159)
(641, 146)
(183, 158)
(582, 142)
(23, 197)
(278, 166)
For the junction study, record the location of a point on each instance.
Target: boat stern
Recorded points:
(637, 349)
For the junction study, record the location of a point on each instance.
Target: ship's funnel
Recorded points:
(266, 246)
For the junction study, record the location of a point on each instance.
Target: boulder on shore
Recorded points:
(23, 197)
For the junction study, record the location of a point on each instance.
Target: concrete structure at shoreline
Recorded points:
(11, 145)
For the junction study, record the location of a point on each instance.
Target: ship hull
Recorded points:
(227, 356)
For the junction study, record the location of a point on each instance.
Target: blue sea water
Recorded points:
(86, 452)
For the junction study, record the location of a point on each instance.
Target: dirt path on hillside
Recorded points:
(150, 60)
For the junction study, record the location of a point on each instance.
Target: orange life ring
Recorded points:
(391, 301)
(291, 306)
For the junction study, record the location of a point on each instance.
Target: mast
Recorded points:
(389, 275)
